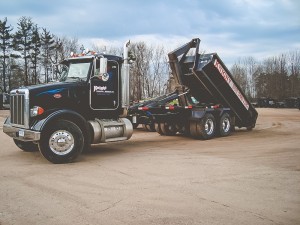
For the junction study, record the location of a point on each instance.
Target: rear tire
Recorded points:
(62, 142)
(26, 146)
(225, 125)
(135, 125)
(168, 129)
(149, 127)
(205, 128)
(158, 129)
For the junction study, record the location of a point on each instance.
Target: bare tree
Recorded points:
(293, 67)
(68, 45)
(248, 71)
(240, 76)
(158, 74)
(112, 50)
(139, 70)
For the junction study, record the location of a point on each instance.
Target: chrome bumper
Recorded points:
(20, 133)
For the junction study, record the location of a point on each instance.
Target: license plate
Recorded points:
(21, 133)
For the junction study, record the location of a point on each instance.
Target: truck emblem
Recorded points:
(58, 95)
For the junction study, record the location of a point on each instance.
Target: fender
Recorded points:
(61, 114)
(224, 110)
(198, 114)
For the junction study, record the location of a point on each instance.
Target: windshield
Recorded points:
(75, 71)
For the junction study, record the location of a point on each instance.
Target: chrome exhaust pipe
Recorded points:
(125, 78)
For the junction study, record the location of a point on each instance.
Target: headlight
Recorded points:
(36, 110)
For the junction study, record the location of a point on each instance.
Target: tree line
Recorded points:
(276, 77)
(28, 52)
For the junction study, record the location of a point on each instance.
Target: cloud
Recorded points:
(233, 28)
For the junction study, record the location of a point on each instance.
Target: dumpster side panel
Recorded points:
(219, 82)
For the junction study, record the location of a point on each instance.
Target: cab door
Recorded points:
(104, 85)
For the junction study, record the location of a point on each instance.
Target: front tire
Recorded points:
(62, 142)
(26, 146)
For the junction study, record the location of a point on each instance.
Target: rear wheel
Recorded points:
(225, 125)
(158, 129)
(205, 128)
(168, 129)
(135, 125)
(26, 146)
(62, 142)
(149, 127)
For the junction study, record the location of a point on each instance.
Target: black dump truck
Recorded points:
(90, 103)
(210, 102)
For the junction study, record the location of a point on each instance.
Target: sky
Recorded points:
(232, 28)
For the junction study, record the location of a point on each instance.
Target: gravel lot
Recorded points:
(246, 178)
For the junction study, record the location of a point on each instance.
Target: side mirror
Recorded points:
(103, 65)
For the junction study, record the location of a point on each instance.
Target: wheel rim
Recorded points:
(61, 142)
(226, 125)
(209, 126)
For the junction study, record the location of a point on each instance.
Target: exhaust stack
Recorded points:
(125, 78)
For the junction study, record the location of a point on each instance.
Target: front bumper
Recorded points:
(20, 133)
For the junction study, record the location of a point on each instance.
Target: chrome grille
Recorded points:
(19, 108)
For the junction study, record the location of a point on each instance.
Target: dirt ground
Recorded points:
(246, 178)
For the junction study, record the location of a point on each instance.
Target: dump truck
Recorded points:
(210, 102)
(89, 104)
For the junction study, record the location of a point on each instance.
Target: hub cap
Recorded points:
(61, 142)
(209, 127)
(226, 125)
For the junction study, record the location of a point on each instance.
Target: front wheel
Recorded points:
(27, 146)
(62, 142)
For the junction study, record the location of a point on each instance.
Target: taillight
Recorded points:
(171, 107)
(144, 108)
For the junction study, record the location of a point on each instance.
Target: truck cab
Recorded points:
(87, 105)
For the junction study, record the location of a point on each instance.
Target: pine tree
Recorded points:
(35, 52)
(47, 45)
(22, 42)
(5, 45)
